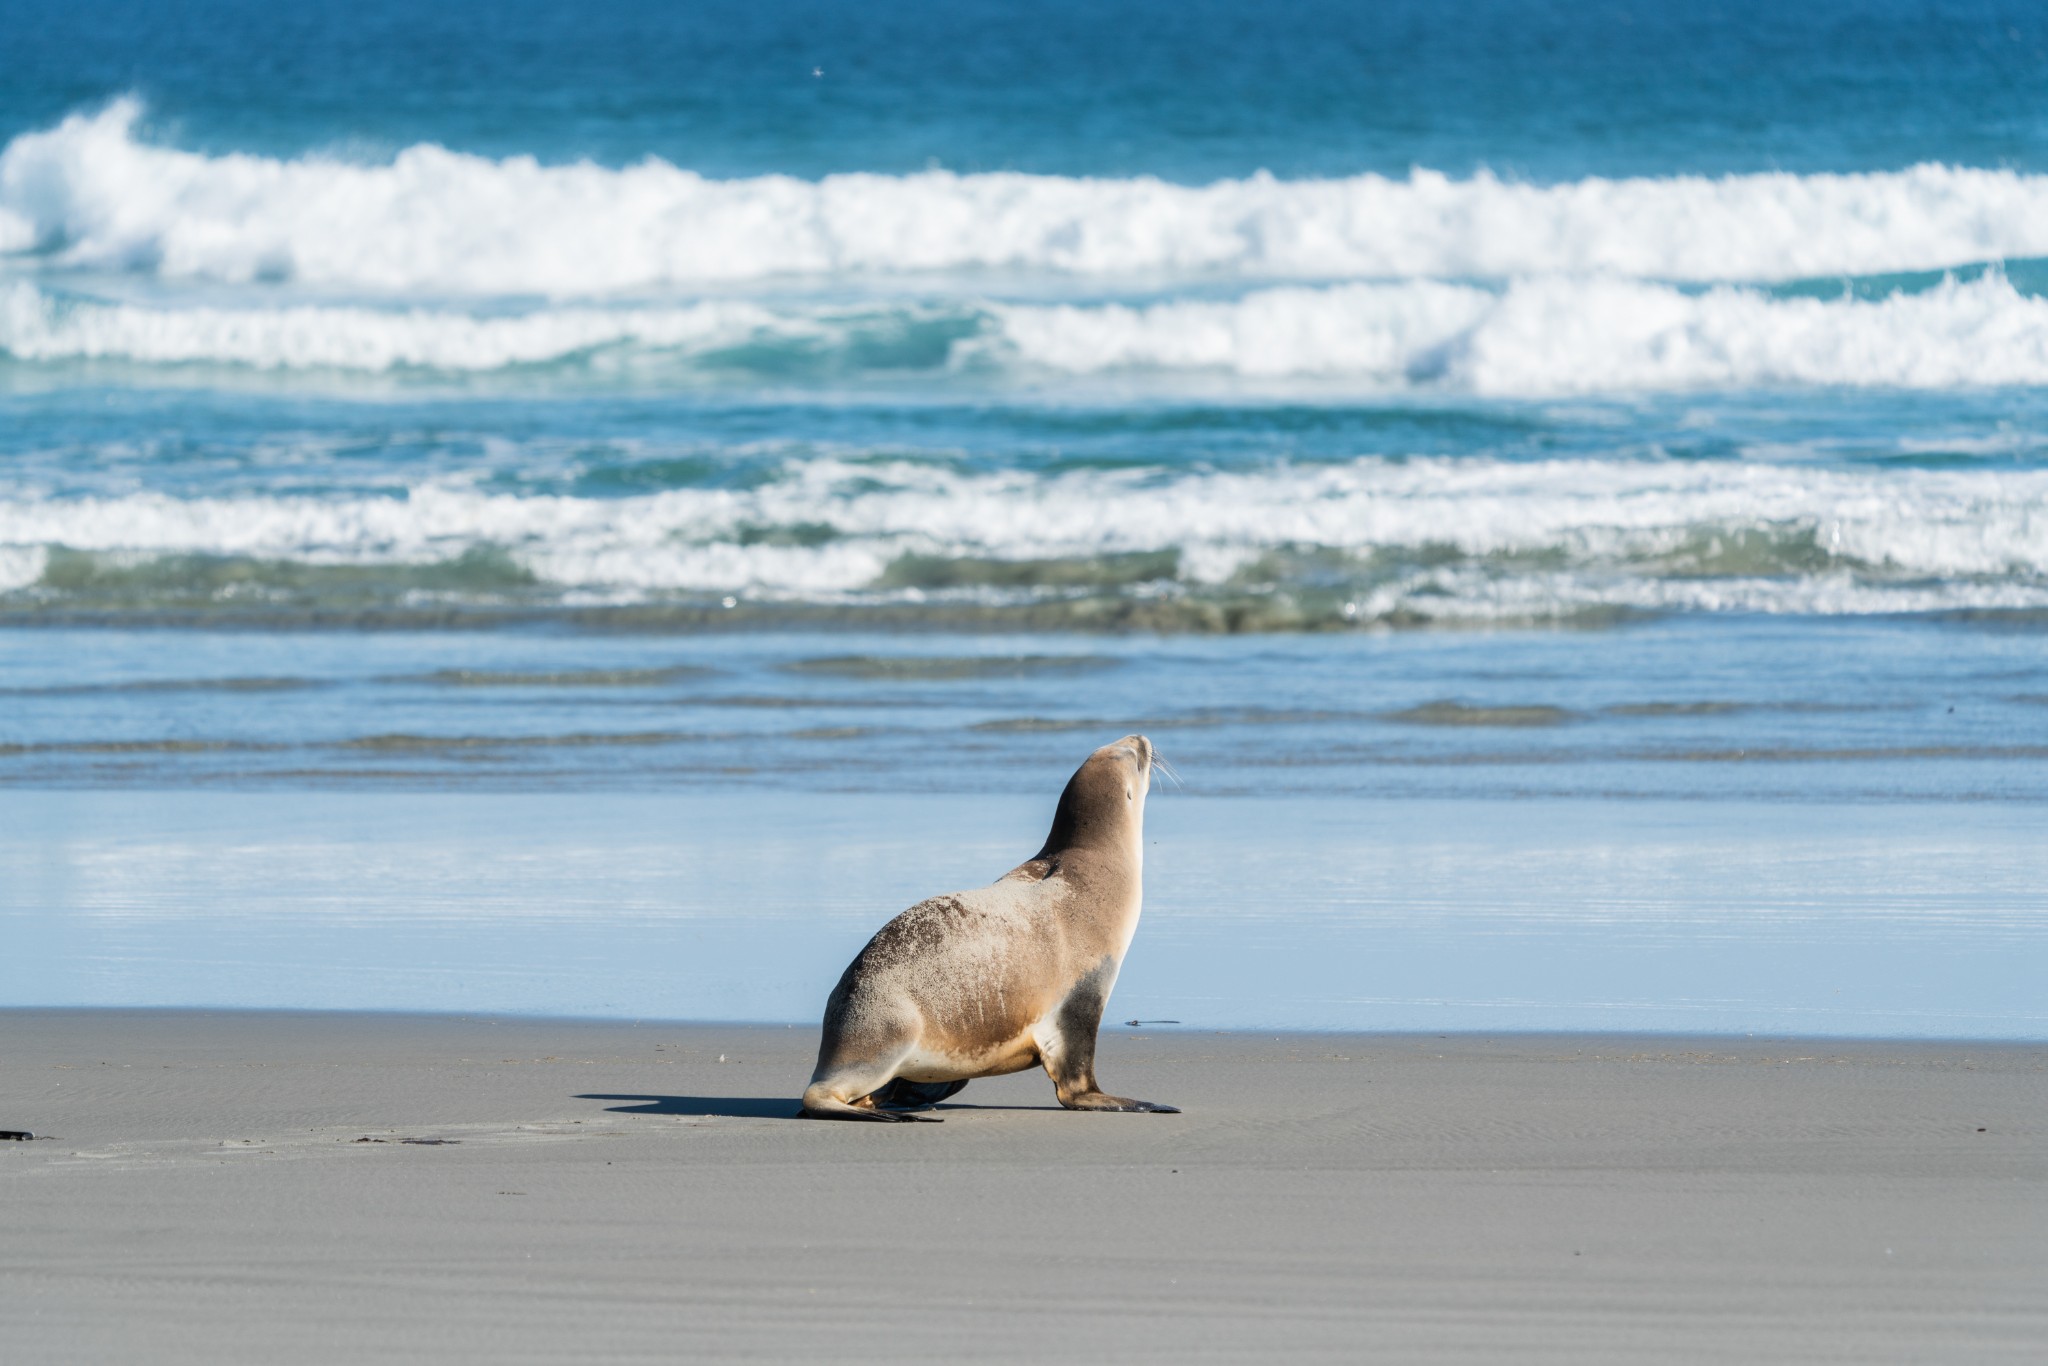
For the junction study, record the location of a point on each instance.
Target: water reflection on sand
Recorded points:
(1885, 919)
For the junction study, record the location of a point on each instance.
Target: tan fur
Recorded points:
(1004, 977)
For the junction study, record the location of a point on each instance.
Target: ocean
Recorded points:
(1566, 486)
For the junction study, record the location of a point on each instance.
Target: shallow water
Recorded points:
(1282, 913)
(1758, 708)
(1691, 824)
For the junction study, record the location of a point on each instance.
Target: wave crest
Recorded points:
(1533, 338)
(1557, 336)
(91, 194)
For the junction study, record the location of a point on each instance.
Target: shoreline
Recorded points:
(251, 1185)
(1505, 1035)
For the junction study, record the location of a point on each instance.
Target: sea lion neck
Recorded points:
(1074, 826)
(1101, 808)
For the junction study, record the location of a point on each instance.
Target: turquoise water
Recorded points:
(1535, 410)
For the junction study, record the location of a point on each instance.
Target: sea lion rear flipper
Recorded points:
(841, 1110)
(847, 1096)
(904, 1094)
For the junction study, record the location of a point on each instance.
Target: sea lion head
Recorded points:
(1104, 802)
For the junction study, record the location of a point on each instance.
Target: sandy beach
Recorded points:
(260, 1187)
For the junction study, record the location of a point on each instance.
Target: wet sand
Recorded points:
(201, 1191)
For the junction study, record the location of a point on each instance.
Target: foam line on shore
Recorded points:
(1482, 537)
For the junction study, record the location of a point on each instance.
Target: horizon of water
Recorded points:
(1518, 407)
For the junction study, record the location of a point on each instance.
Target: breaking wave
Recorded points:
(1559, 336)
(1373, 539)
(1534, 338)
(91, 194)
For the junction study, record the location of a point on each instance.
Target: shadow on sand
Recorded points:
(748, 1107)
(733, 1107)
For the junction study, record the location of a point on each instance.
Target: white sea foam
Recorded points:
(90, 193)
(21, 565)
(1558, 336)
(1635, 533)
(37, 327)
(1536, 337)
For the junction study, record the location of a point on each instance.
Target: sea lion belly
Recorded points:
(1017, 1054)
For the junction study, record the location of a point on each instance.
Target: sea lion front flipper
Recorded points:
(1098, 1100)
(1067, 1048)
(904, 1094)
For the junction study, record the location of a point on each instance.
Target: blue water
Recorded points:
(1207, 90)
(1761, 709)
(1481, 417)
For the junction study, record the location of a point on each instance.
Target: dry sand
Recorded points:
(616, 1192)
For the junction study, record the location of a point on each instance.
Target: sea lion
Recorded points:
(981, 983)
